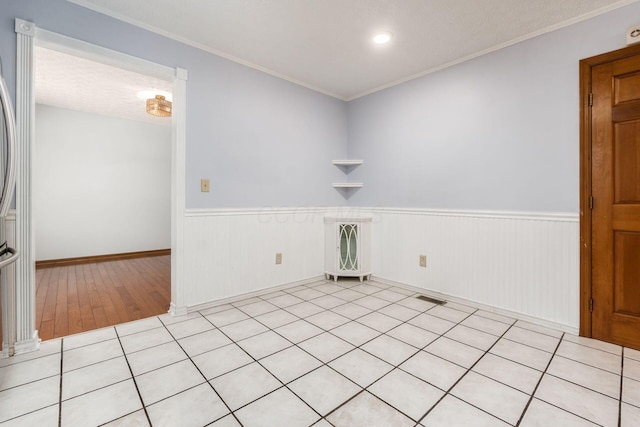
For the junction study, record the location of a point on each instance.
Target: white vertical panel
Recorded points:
(528, 264)
(228, 253)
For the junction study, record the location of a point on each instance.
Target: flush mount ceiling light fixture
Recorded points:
(159, 106)
(382, 38)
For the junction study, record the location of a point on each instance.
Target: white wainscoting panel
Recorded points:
(232, 252)
(523, 263)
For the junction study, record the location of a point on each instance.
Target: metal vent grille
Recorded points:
(432, 300)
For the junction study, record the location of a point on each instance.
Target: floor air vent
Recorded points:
(433, 300)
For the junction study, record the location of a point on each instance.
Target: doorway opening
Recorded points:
(101, 195)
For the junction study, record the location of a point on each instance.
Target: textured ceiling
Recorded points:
(326, 44)
(74, 83)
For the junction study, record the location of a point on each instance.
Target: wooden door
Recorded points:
(615, 203)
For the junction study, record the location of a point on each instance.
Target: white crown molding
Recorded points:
(153, 29)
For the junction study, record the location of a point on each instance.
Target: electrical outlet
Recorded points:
(204, 185)
(423, 261)
(278, 258)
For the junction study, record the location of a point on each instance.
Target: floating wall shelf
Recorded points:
(347, 166)
(347, 184)
(347, 162)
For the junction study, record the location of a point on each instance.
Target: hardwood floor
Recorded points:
(78, 298)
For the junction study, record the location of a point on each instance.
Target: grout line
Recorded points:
(621, 383)
(135, 383)
(206, 381)
(60, 391)
(526, 407)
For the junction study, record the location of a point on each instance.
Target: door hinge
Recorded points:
(591, 99)
(591, 305)
(591, 202)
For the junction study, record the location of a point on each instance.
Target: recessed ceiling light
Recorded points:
(382, 38)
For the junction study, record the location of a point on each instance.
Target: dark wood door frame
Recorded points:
(586, 66)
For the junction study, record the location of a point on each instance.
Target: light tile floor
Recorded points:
(324, 354)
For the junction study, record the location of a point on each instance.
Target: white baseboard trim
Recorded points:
(177, 311)
(27, 346)
(481, 306)
(239, 297)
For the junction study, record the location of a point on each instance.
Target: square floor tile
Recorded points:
(264, 344)
(324, 389)
(366, 410)
(399, 312)
(197, 406)
(360, 367)
(389, 349)
(521, 353)
(246, 301)
(273, 294)
(328, 288)
(29, 371)
(390, 295)
(407, 393)
(189, 327)
(632, 354)
(432, 323)
(495, 316)
(244, 385)
(589, 342)
(215, 309)
(328, 301)
(449, 314)
(454, 351)
(304, 309)
(630, 416)
(90, 354)
(486, 325)
(275, 319)
(290, 363)
(412, 335)
(299, 331)
(93, 377)
(372, 303)
(355, 333)
(226, 317)
(540, 329)
(243, 329)
(541, 414)
(169, 319)
(307, 293)
(351, 311)
(631, 391)
(454, 412)
(167, 381)
(461, 307)
(156, 357)
(491, 396)
(146, 339)
(136, 326)
(433, 369)
(578, 400)
(134, 419)
(348, 295)
(326, 347)
(221, 360)
(587, 376)
(285, 300)
(632, 369)
(227, 421)
(29, 397)
(366, 288)
(46, 417)
(206, 341)
(508, 372)
(257, 308)
(101, 406)
(532, 339)
(379, 322)
(280, 408)
(327, 320)
(591, 356)
(86, 338)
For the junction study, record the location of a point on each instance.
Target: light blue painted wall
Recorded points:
(500, 132)
(262, 141)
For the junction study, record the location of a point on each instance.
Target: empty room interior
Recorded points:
(323, 213)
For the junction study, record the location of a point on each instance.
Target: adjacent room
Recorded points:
(366, 213)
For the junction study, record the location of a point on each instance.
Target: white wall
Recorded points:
(102, 185)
